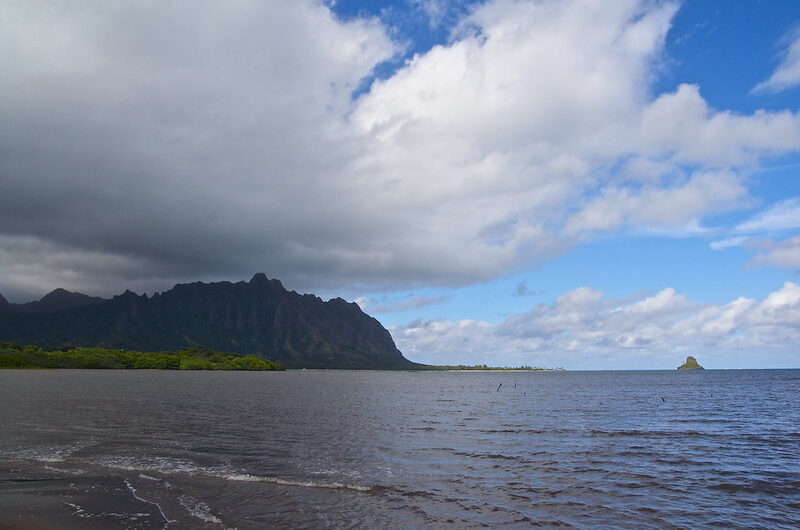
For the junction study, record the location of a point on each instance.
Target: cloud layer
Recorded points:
(145, 143)
(758, 234)
(787, 74)
(584, 329)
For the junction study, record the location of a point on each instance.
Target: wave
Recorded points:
(527, 430)
(247, 477)
(147, 468)
(51, 454)
(638, 433)
(157, 505)
(198, 509)
(491, 456)
(759, 487)
(177, 467)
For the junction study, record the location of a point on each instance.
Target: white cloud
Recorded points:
(651, 206)
(781, 216)
(728, 242)
(410, 302)
(787, 74)
(583, 329)
(435, 10)
(785, 255)
(681, 123)
(213, 141)
(519, 119)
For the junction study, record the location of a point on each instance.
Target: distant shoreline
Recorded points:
(509, 370)
(485, 368)
(15, 356)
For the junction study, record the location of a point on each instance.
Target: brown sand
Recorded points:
(73, 503)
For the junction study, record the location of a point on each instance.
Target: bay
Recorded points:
(367, 449)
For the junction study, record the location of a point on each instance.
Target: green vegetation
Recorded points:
(690, 364)
(16, 356)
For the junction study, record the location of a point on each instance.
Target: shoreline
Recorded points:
(67, 502)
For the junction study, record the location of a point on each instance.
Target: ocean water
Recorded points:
(340, 449)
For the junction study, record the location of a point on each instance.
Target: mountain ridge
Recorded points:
(257, 317)
(56, 300)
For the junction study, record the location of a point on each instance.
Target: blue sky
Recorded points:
(581, 184)
(726, 50)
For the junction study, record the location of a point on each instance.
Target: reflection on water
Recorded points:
(389, 449)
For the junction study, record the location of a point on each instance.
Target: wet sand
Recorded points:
(73, 503)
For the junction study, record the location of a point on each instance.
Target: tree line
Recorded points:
(198, 358)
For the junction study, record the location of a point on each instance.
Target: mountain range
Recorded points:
(257, 317)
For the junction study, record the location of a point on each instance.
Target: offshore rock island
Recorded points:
(259, 317)
(690, 364)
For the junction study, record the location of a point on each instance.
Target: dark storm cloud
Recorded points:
(174, 140)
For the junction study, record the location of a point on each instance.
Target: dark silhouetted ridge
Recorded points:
(61, 299)
(257, 317)
(56, 300)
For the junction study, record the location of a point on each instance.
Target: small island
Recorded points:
(690, 364)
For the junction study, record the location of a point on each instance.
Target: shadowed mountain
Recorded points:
(56, 300)
(258, 317)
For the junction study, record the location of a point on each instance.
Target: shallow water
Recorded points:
(156, 449)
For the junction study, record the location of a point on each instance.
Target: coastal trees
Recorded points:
(15, 356)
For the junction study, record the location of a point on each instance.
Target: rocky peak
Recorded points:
(129, 296)
(260, 280)
(55, 300)
(690, 364)
(256, 317)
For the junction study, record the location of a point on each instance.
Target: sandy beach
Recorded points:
(73, 503)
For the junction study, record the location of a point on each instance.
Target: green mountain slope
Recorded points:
(257, 317)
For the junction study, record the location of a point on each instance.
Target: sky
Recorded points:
(574, 183)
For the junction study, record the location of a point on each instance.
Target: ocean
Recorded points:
(371, 449)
